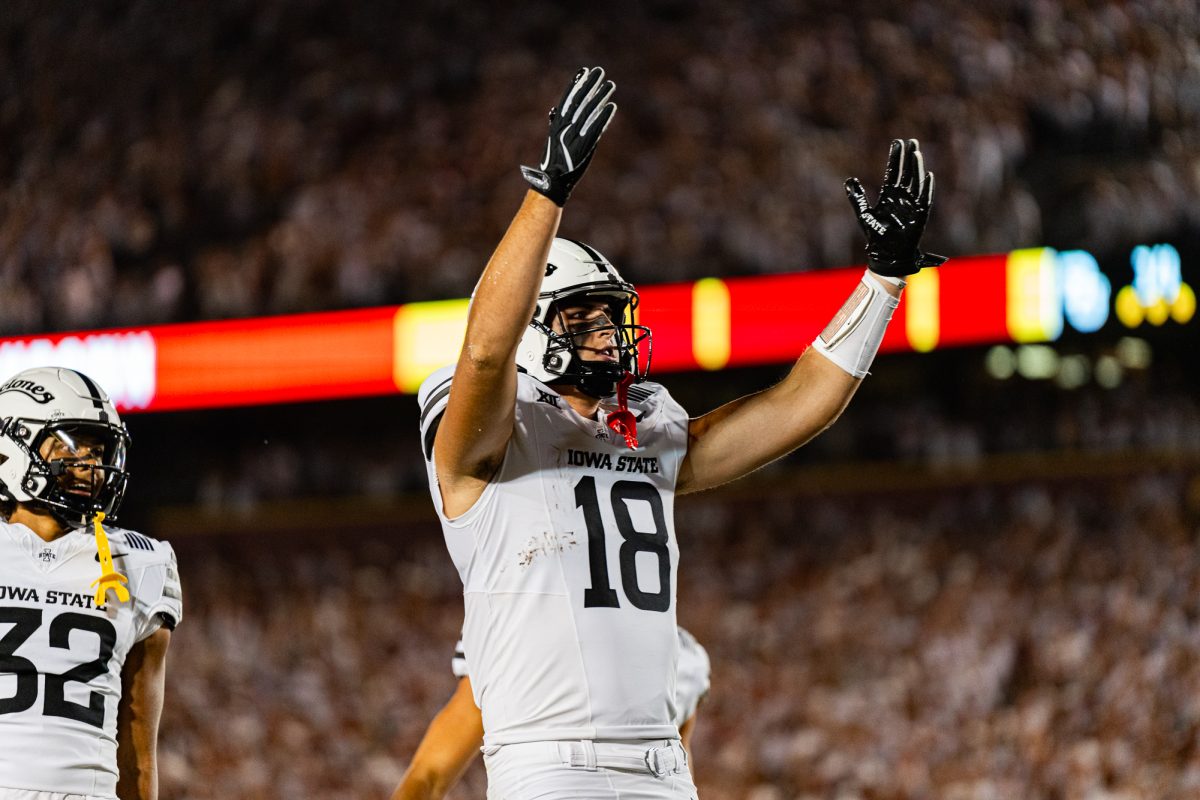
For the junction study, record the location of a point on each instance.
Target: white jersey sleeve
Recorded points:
(154, 584)
(693, 679)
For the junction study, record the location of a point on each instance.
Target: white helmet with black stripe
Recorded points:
(85, 472)
(578, 273)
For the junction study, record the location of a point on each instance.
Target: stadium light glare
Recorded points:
(1000, 362)
(1073, 372)
(1134, 353)
(1037, 362)
(1109, 372)
(1158, 292)
(1035, 300)
(1086, 291)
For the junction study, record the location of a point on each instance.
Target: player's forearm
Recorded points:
(143, 691)
(437, 765)
(805, 403)
(504, 299)
(448, 747)
(755, 430)
(809, 399)
(137, 759)
(141, 784)
(420, 786)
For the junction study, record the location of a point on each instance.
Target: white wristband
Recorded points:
(852, 337)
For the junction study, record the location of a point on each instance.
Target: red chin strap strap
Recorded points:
(622, 420)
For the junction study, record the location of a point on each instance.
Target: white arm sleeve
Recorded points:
(852, 337)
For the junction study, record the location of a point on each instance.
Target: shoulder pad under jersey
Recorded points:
(153, 573)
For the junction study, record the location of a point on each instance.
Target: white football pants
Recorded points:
(651, 769)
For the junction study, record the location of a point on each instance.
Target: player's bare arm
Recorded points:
(685, 736)
(450, 744)
(475, 429)
(144, 681)
(752, 431)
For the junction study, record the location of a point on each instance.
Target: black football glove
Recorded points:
(576, 124)
(895, 224)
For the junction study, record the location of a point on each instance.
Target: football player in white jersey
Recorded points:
(452, 739)
(554, 464)
(85, 613)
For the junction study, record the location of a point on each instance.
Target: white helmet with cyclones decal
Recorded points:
(577, 273)
(88, 475)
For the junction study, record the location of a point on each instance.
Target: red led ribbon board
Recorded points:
(709, 324)
(275, 359)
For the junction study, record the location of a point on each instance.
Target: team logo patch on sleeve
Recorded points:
(546, 397)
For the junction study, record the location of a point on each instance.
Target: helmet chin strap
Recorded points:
(622, 420)
(109, 577)
(598, 383)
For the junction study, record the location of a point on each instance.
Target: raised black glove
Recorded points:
(576, 124)
(895, 224)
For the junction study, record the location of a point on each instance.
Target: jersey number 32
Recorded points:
(25, 622)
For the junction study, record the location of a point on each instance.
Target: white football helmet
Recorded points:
(577, 273)
(87, 474)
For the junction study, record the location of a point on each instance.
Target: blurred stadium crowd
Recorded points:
(993, 639)
(1030, 641)
(234, 158)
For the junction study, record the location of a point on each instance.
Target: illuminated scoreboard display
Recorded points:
(1025, 296)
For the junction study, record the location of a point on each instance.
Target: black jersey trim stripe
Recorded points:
(436, 398)
(138, 541)
(639, 393)
(430, 435)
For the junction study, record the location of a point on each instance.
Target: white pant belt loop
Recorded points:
(579, 754)
(660, 762)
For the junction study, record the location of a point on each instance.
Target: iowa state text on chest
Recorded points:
(27, 594)
(590, 458)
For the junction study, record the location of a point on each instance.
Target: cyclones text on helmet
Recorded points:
(62, 445)
(577, 274)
